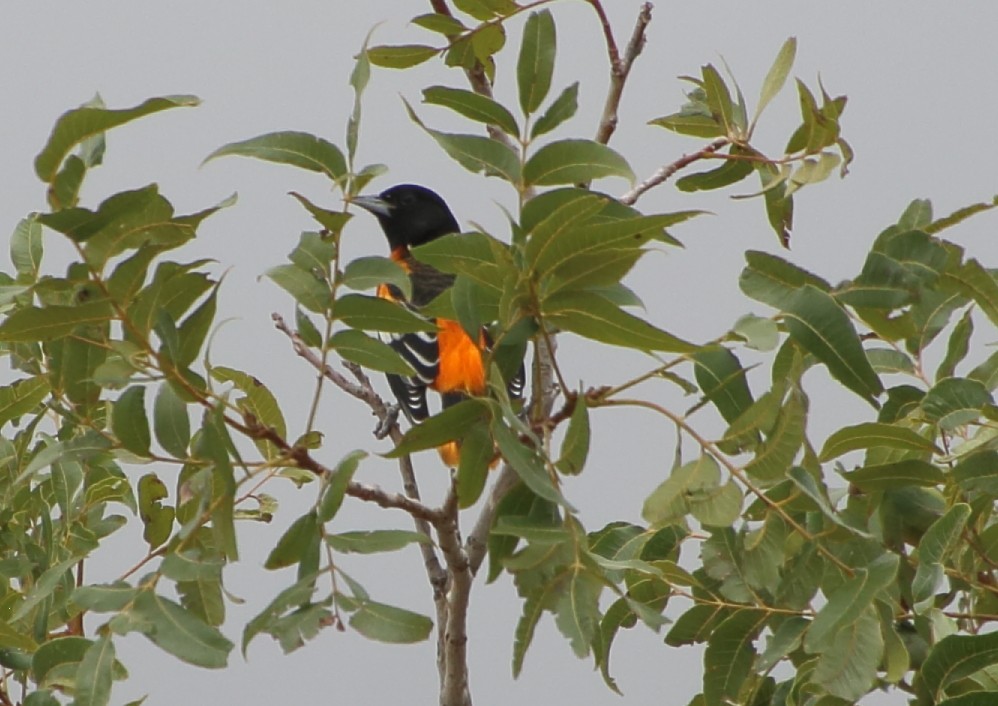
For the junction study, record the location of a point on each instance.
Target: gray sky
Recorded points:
(919, 76)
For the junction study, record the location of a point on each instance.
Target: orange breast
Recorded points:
(461, 367)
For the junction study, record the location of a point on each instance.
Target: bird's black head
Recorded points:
(410, 215)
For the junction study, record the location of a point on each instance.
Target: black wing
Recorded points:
(420, 351)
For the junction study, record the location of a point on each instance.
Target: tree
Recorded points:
(878, 575)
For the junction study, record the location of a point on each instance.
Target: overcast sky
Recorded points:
(920, 78)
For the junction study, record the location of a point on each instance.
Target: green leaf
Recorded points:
(806, 483)
(721, 377)
(272, 619)
(729, 655)
(474, 106)
(847, 603)
(477, 454)
(671, 500)
(527, 463)
(958, 346)
(958, 216)
(22, 397)
(31, 324)
(718, 98)
(590, 315)
(823, 328)
(848, 664)
(786, 639)
(75, 126)
(475, 152)
(884, 476)
(535, 64)
(575, 446)
(370, 353)
(368, 272)
(297, 149)
(572, 162)
(774, 281)
(449, 425)
(26, 249)
(56, 660)
(573, 249)
(129, 421)
(577, 610)
(93, 676)
(441, 24)
(308, 289)
(400, 57)
(561, 109)
(194, 329)
(171, 422)
(870, 435)
(385, 623)
(775, 456)
(692, 124)
(259, 400)
(376, 314)
(978, 472)
(954, 402)
(730, 172)
(336, 485)
(374, 541)
(192, 566)
(157, 518)
(759, 333)
(477, 256)
(973, 280)
(178, 631)
(292, 547)
(955, 657)
(776, 77)
(536, 530)
(937, 543)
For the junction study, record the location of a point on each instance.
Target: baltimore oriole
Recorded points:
(447, 360)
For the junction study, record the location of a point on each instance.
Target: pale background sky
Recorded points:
(920, 78)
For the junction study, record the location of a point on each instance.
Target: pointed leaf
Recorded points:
(32, 324)
(572, 162)
(594, 317)
(297, 149)
(179, 632)
(129, 420)
(94, 675)
(77, 125)
(21, 397)
(561, 109)
(401, 56)
(374, 541)
(171, 422)
(370, 353)
(535, 64)
(821, 327)
(474, 106)
(776, 77)
(729, 655)
(386, 623)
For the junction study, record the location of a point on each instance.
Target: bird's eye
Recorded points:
(407, 199)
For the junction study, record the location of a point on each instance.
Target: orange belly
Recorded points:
(461, 367)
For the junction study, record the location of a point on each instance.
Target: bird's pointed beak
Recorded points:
(375, 204)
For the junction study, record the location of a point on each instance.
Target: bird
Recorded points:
(447, 360)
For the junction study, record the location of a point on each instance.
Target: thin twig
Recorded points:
(454, 635)
(620, 67)
(665, 172)
(477, 543)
